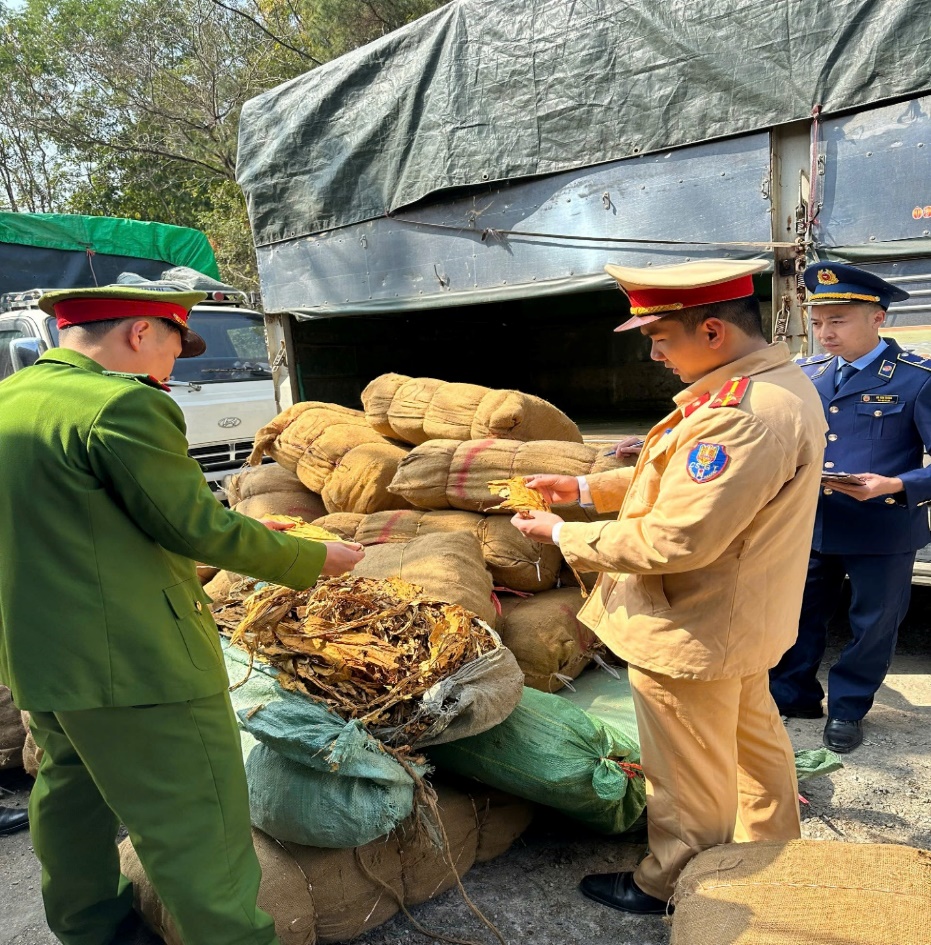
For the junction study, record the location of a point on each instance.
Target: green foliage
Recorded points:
(131, 107)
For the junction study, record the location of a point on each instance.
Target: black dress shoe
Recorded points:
(801, 711)
(619, 891)
(13, 819)
(842, 735)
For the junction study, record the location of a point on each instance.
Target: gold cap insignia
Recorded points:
(826, 277)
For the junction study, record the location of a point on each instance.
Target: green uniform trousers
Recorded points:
(173, 775)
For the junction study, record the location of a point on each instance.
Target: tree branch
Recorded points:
(267, 32)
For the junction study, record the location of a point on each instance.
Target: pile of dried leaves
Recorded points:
(366, 648)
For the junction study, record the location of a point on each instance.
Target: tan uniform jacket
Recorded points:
(703, 572)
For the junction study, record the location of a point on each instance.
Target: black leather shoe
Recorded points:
(619, 891)
(841, 735)
(801, 711)
(13, 819)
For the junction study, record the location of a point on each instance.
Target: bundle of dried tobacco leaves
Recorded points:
(517, 497)
(366, 648)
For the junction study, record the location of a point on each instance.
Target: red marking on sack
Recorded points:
(384, 535)
(472, 453)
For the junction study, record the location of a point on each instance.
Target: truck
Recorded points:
(226, 394)
(445, 199)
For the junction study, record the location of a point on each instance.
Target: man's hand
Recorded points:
(276, 526)
(341, 557)
(873, 485)
(629, 446)
(555, 489)
(538, 525)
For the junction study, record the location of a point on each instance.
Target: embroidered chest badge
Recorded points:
(707, 461)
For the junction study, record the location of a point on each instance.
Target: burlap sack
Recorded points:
(448, 567)
(206, 573)
(334, 453)
(261, 480)
(422, 408)
(804, 892)
(445, 474)
(32, 753)
(287, 437)
(322, 896)
(344, 524)
(360, 478)
(12, 732)
(270, 489)
(545, 635)
(218, 588)
(514, 561)
(306, 505)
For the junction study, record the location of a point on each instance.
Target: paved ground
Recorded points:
(883, 794)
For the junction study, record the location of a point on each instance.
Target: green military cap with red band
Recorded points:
(137, 299)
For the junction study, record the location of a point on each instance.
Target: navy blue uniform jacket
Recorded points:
(879, 422)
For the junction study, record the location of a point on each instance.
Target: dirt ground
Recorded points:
(883, 794)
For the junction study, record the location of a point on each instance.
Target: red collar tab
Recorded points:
(82, 311)
(155, 382)
(695, 404)
(732, 393)
(652, 301)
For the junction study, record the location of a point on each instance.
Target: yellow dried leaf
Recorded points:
(304, 529)
(517, 497)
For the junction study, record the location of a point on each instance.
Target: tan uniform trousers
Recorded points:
(719, 767)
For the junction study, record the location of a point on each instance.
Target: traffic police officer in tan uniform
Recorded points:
(106, 635)
(877, 399)
(701, 576)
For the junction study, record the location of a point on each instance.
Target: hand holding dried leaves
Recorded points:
(517, 496)
(367, 648)
(304, 529)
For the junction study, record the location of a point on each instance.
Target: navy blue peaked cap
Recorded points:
(831, 283)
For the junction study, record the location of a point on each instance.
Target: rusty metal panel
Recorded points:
(465, 249)
(875, 178)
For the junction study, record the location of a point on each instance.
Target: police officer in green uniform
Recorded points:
(105, 633)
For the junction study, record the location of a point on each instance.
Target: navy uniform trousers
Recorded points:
(879, 422)
(880, 590)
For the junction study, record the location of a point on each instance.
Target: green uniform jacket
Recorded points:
(102, 517)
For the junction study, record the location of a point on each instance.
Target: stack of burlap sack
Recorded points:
(407, 477)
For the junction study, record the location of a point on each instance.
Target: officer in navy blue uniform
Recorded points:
(877, 400)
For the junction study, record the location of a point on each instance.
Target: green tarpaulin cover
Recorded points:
(111, 236)
(490, 90)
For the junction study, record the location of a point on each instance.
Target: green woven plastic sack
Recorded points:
(314, 779)
(608, 698)
(550, 751)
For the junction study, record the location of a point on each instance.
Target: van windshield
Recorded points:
(235, 348)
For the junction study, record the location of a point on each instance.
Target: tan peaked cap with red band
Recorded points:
(134, 300)
(659, 291)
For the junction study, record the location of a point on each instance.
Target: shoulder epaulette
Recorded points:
(814, 359)
(732, 393)
(915, 360)
(148, 379)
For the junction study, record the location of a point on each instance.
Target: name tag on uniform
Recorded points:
(880, 398)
